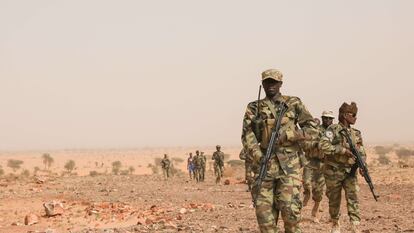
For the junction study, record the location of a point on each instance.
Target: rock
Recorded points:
(141, 221)
(170, 225)
(208, 207)
(183, 210)
(40, 179)
(227, 182)
(31, 219)
(53, 208)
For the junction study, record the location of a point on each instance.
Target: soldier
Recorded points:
(249, 176)
(280, 189)
(165, 164)
(190, 166)
(218, 157)
(338, 163)
(313, 178)
(197, 166)
(203, 165)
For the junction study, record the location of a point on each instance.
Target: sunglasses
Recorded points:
(352, 114)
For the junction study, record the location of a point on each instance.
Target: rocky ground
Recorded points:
(148, 203)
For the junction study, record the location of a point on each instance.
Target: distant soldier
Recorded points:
(313, 178)
(165, 164)
(197, 166)
(190, 166)
(249, 175)
(203, 159)
(218, 157)
(338, 163)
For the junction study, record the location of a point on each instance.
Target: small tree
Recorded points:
(131, 169)
(70, 165)
(383, 159)
(35, 170)
(47, 160)
(116, 166)
(25, 173)
(14, 164)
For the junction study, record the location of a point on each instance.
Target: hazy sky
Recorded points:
(87, 74)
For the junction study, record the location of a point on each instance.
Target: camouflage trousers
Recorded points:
(313, 182)
(279, 193)
(218, 171)
(202, 172)
(337, 179)
(166, 172)
(249, 176)
(197, 174)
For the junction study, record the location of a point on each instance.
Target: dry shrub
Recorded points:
(116, 167)
(154, 169)
(383, 159)
(70, 165)
(236, 163)
(94, 173)
(14, 164)
(382, 150)
(25, 173)
(124, 172)
(1, 171)
(404, 153)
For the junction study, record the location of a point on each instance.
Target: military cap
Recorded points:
(328, 114)
(351, 108)
(218, 146)
(273, 74)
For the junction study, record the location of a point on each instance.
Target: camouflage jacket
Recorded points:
(316, 153)
(218, 157)
(165, 163)
(333, 144)
(296, 115)
(197, 161)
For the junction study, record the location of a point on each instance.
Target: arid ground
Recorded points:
(136, 200)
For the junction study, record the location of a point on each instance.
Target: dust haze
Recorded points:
(100, 74)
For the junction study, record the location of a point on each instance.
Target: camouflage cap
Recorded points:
(328, 114)
(273, 74)
(351, 108)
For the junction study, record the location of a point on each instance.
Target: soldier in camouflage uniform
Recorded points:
(313, 178)
(165, 165)
(218, 157)
(197, 166)
(338, 163)
(280, 190)
(249, 176)
(203, 161)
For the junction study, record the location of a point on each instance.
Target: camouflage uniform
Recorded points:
(249, 176)
(218, 157)
(197, 167)
(165, 164)
(203, 161)
(280, 190)
(337, 171)
(313, 179)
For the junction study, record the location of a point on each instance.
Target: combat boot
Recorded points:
(355, 227)
(335, 226)
(315, 212)
(306, 199)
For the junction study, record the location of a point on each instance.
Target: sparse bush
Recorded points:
(403, 153)
(1, 171)
(124, 172)
(383, 159)
(131, 170)
(236, 163)
(25, 173)
(382, 150)
(14, 164)
(154, 169)
(47, 160)
(70, 165)
(35, 170)
(116, 166)
(94, 173)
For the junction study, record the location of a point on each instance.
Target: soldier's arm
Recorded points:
(326, 145)
(307, 124)
(248, 138)
(360, 145)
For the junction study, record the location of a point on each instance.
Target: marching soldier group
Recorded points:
(329, 161)
(196, 165)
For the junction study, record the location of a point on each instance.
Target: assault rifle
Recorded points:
(359, 163)
(257, 120)
(265, 159)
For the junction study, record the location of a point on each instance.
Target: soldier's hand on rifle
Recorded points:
(257, 155)
(351, 158)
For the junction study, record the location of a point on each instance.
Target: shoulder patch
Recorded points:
(329, 134)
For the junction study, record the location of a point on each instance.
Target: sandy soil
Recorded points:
(143, 202)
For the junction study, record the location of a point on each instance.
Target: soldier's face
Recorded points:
(271, 87)
(327, 121)
(350, 118)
